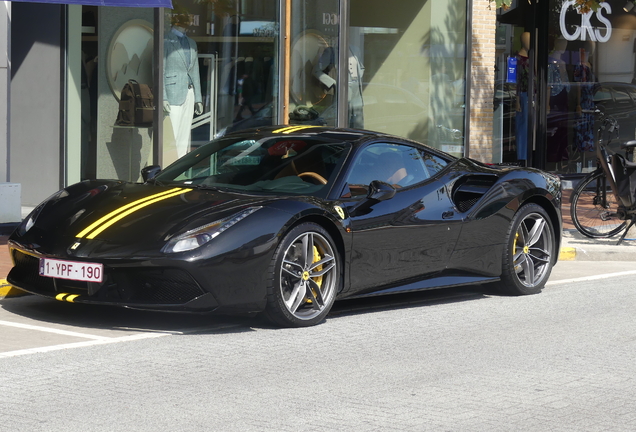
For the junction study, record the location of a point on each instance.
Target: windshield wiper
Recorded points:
(203, 187)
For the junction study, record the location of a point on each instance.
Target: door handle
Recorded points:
(448, 215)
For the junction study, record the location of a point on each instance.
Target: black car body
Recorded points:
(287, 219)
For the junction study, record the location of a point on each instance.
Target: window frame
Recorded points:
(423, 150)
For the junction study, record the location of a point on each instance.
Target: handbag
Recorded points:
(136, 105)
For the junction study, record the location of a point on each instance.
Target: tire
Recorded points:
(589, 216)
(529, 252)
(304, 277)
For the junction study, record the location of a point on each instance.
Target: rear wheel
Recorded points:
(304, 277)
(594, 208)
(529, 252)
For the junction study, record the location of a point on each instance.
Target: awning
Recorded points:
(116, 3)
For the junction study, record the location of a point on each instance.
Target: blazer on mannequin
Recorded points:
(181, 69)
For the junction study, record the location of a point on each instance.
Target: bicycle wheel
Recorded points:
(594, 208)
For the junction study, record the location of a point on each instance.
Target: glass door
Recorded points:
(313, 62)
(515, 85)
(591, 64)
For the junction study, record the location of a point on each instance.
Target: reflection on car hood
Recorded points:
(127, 213)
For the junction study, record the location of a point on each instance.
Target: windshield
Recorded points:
(303, 166)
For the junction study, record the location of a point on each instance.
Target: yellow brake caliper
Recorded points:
(317, 279)
(514, 249)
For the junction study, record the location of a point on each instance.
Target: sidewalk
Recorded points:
(575, 246)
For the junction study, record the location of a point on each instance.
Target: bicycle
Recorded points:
(603, 202)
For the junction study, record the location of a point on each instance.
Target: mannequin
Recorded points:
(182, 85)
(521, 118)
(558, 81)
(324, 67)
(356, 103)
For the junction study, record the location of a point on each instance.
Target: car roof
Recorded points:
(326, 132)
(355, 137)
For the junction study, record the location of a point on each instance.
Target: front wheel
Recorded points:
(304, 277)
(594, 208)
(529, 252)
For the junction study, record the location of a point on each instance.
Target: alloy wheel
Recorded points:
(308, 276)
(532, 250)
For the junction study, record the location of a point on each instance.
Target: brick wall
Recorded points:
(482, 80)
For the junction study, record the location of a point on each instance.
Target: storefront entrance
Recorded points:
(514, 123)
(577, 63)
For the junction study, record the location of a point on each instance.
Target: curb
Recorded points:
(7, 290)
(567, 254)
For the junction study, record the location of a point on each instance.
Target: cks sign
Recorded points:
(586, 29)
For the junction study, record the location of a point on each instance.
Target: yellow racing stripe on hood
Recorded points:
(116, 215)
(290, 129)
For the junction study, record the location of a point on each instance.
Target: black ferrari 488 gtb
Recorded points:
(285, 220)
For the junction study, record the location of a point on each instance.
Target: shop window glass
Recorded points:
(598, 61)
(406, 70)
(116, 48)
(220, 70)
(512, 133)
(603, 96)
(622, 99)
(313, 57)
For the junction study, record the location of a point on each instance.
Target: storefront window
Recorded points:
(313, 80)
(407, 64)
(591, 65)
(220, 70)
(512, 140)
(588, 65)
(110, 48)
(115, 47)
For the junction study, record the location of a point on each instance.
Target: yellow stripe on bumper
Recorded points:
(66, 297)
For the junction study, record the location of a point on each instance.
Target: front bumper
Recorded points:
(132, 286)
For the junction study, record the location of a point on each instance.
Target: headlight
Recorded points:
(28, 223)
(200, 236)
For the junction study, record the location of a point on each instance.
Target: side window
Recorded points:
(603, 96)
(623, 101)
(433, 163)
(399, 165)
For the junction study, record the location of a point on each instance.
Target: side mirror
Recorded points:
(150, 172)
(378, 191)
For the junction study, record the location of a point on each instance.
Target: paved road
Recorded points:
(460, 360)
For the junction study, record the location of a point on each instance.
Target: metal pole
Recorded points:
(157, 117)
(285, 56)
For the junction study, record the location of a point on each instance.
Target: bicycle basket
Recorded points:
(625, 173)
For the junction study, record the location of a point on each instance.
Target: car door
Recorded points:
(404, 238)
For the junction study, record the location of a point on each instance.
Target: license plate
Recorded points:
(71, 270)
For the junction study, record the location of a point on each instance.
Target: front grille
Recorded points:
(159, 286)
(26, 271)
(156, 286)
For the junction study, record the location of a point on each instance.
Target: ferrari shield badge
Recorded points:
(340, 211)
